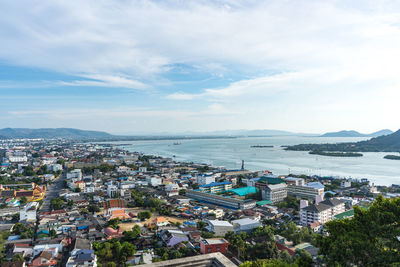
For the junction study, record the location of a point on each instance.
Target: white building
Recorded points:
(154, 181)
(321, 212)
(77, 174)
(28, 213)
(203, 179)
(274, 192)
(345, 184)
(112, 190)
(219, 228)
(245, 225)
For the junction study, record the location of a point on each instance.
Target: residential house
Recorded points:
(212, 245)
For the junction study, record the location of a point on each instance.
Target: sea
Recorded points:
(229, 153)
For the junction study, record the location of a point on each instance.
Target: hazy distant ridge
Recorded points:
(357, 134)
(49, 133)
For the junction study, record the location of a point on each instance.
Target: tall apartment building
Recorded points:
(322, 212)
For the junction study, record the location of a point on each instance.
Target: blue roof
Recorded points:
(215, 184)
(317, 185)
(243, 191)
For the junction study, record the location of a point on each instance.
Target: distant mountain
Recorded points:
(265, 132)
(384, 143)
(49, 133)
(356, 134)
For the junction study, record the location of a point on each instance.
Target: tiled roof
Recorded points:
(114, 203)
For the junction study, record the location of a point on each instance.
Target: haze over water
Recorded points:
(230, 151)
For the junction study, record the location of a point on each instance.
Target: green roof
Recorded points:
(271, 180)
(263, 202)
(346, 214)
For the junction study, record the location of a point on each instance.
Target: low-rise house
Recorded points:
(160, 221)
(245, 225)
(45, 258)
(173, 237)
(84, 257)
(212, 245)
(112, 233)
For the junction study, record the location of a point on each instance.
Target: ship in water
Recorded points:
(177, 143)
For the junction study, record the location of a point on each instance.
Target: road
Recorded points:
(52, 191)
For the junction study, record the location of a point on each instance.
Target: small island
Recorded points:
(336, 154)
(392, 157)
(259, 146)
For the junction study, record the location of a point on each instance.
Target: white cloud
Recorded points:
(107, 81)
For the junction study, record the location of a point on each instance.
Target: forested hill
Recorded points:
(49, 133)
(385, 143)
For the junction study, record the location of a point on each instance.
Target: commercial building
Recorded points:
(231, 203)
(213, 245)
(219, 228)
(310, 190)
(203, 179)
(216, 187)
(274, 192)
(322, 212)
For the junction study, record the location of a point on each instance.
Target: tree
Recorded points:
(268, 263)
(370, 238)
(23, 200)
(113, 223)
(182, 192)
(143, 215)
(201, 225)
(93, 208)
(303, 258)
(17, 257)
(53, 233)
(285, 256)
(56, 203)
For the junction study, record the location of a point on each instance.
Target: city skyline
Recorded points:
(128, 67)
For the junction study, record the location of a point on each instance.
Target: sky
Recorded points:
(197, 66)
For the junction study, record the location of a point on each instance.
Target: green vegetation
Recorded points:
(113, 251)
(113, 223)
(292, 233)
(170, 254)
(57, 203)
(290, 202)
(335, 154)
(144, 215)
(23, 231)
(3, 238)
(370, 238)
(132, 235)
(393, 157)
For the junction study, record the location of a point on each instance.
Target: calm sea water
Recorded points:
(230, 152)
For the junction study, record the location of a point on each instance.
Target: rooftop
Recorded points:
(215, 184)
(214, 241)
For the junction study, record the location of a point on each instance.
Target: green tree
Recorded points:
(268, 263)
(303, 258)
(370, 238)
(201, 225)
(143, 215)
(17, 257)
(113, 223)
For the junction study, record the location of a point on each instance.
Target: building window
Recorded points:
(218, 248)
(208, 250)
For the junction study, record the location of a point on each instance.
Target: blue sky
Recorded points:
(176, 66)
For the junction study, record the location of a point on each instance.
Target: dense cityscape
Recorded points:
(66, 203)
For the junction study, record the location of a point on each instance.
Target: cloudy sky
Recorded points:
(174, 66)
